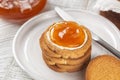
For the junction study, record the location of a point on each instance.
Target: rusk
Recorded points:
(69, 61)
(76, 53)
(65, 68)
(103, 67)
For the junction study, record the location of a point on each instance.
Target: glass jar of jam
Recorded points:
(20, 10)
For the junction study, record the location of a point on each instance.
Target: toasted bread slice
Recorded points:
(46, 49)
(69, 61)
(65, 68)
(103, 67)
(73, 54)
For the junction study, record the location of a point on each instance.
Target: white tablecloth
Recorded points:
(9, 70)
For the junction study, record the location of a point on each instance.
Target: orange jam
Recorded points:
(67, 34)
(20, 9)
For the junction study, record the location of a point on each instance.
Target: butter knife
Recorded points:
(65, 16)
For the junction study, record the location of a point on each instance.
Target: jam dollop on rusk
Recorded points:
(66, 46)
(67, 34)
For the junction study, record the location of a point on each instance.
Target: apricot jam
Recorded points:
(20, 9)
(67, 34)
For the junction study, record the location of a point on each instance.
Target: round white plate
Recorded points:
(28, 54)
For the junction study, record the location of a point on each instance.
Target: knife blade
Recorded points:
(65, 16)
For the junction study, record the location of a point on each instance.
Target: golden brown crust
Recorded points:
(53, 67)
(69, 61)
(66, 68)
(77, 53)
(74, 68)
(45, 48)
(103, 67)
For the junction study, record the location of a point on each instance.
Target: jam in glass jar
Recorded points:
(20, 10)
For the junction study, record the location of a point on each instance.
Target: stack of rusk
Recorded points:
(65, 60)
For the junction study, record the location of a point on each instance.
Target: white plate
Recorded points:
(28, 53)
